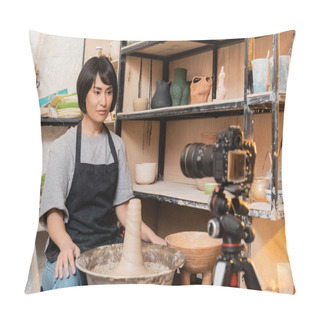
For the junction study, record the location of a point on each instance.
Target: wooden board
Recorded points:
(232, 59)
(142, 142)
(131, 85)
(171, 47)
(268, 249)
(180, 133)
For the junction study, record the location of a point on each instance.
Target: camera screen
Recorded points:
(236, 166)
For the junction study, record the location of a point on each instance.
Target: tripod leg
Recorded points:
(222, 273)
(250, 277)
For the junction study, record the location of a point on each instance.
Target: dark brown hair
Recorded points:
(87, 76)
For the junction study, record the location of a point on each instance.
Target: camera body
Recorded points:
(230, 160)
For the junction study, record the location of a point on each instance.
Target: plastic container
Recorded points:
(260, 68)
(284, 62)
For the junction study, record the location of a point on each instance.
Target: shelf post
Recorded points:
(121, 76)
(214, 71)
(275, 114)
(247, 112)
(162, 146)
(165, 70)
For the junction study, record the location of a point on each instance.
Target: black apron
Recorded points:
(92, 219)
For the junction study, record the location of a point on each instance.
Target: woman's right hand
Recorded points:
(69, 251)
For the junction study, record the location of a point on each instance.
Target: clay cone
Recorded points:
(131, 263)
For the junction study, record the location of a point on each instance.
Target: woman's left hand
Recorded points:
(159, 240)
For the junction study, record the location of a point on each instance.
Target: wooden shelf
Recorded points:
(260, 102)
(67, 122)
(173, 49)
(60, 121)
(190, 196)
(214, 108)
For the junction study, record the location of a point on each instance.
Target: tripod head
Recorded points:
(226, 220)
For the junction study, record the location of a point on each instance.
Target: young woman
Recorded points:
(88, 184)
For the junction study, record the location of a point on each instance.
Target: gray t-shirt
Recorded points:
(61, 164)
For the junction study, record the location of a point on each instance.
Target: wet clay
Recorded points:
(152, 268)
(131, 263)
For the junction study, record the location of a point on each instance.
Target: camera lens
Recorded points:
(237, 142)
(196, 160)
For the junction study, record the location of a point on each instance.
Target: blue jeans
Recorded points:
(50, 282)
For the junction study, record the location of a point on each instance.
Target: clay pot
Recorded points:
(201, 253)
(140, 104)
(145, 172)
(161, 97)
(259, 189)
(180, 88)
(199, 89)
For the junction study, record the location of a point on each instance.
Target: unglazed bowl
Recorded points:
(140, 104)
(201, 252)
(145, 172)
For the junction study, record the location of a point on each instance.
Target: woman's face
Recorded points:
(99, 100)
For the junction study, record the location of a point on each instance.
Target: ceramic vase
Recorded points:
(221, 90)
(161, 97)
(199, 89)
(180, 89)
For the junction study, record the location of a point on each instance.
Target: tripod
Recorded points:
(224, 224)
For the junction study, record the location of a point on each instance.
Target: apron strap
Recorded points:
(78, 143)
(112, 147)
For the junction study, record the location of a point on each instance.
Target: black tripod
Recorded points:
(224, 224)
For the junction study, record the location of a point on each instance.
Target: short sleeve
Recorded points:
(124, 188)
(55, 188)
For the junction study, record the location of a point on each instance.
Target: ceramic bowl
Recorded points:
(202, 181)
(259, 190)
(201, 253)
(140, 104)
(209, 187)
(145, 172)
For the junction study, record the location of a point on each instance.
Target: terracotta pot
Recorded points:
(201, 253)
(200, 88)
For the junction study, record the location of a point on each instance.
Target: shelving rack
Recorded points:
(249, 104)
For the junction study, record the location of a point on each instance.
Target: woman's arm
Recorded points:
(147, 234)
(68, 249)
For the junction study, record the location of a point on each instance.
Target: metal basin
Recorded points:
(107, 257)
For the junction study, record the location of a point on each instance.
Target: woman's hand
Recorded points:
(159, 240)
(147, 234)
(68, 252)
(68, 249)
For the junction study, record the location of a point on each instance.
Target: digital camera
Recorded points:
(230, 160)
